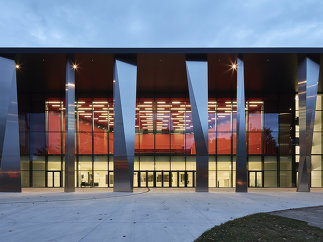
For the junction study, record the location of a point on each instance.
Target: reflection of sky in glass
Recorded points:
(271, 127)
(211, 120)
(234, 122)
(255, 121)
(223, 122)
(275, 137)
(271, 121)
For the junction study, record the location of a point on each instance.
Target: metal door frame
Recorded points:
(60, 177)
(256, 178)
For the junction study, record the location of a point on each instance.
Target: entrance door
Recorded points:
(135, 178)
(174, 179)
(189, 179)
(255, 178)
(165, 178)
(159, 179)
(150, 178)
(143, 179)
(53, 179)
(182, 178)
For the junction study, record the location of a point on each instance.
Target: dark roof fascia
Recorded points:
(85, 50)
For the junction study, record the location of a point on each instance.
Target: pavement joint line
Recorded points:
(71, 200)
(92, 230)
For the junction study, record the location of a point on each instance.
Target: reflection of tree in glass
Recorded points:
(270, 142)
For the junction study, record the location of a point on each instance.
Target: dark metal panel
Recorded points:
(222, 81)
(33, 50)
(197, 78)
(124, 93)
(10, 176)
(161, 73)
(70, 128)
(241, 165)
(94, 75)
(158, 74)
(308, 76)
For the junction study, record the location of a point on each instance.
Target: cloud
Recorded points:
(169, 23)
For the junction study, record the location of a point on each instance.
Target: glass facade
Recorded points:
(165, 153)
(317, 148)
(164, 144)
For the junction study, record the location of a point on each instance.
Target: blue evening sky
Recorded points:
(162, 23)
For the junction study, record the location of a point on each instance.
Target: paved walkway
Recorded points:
(312, 215)
(152, 216)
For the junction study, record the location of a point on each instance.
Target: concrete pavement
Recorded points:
(139, 216)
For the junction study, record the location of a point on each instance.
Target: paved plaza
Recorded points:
(138, 216)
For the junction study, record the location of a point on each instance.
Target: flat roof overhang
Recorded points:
(161, 71)
(87, 50)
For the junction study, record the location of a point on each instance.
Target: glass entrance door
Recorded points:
(190, 179)
(159, 179)
(182, 178)
(150, 179)
(53, 179)
(255, 179)
(174, 179)
(143, 179)
(164, 179)
(135, 179)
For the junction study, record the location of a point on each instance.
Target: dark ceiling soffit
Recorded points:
(128, 58)
(196, 57)
(278, 50)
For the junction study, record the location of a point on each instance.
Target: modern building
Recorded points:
(163, 117)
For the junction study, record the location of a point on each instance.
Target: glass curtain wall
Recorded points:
(94, 142)
(165, 154)
(33, 142)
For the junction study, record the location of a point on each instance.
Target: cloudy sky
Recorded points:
(161, 23)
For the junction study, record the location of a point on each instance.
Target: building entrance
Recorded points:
(255, 179)
(53, 179)
(164, 179)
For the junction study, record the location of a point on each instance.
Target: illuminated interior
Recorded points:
(165, 154)
(164, 144)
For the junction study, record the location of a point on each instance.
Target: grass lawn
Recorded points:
(263, 227)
